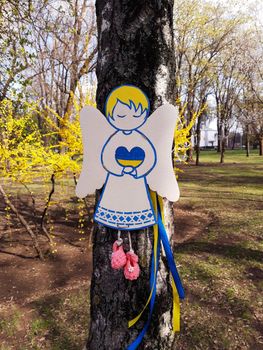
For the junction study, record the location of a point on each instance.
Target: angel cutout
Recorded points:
(128, 152)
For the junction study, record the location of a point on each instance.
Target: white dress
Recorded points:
(119, 206)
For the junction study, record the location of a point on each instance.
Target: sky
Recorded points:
(254, 7)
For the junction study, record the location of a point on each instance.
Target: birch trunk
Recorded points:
(135, 46)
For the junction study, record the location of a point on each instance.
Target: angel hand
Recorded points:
(128, 170)
(134, 173)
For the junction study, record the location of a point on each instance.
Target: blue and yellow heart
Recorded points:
(132, 158)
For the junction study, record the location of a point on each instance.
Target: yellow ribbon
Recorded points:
(176, 309)
(176, 301)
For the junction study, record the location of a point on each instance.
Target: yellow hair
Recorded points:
(126, 94)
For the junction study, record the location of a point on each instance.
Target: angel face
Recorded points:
(127, 117)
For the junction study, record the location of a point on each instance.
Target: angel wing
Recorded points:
(159, 128)
(95, 132)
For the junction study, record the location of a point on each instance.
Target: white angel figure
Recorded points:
(128, 152)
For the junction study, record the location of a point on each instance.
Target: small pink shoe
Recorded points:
(131, 269)
(118, 258)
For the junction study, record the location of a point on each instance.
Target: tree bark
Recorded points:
(198, 139)
(219, 124)
(234, 140)
(190, 150)
(219, 135)
(222, 145)
(247, 141)
(135, 46)
(261, 145)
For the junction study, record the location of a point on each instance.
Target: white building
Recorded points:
(208, 136)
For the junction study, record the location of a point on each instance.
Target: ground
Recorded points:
(218, 249)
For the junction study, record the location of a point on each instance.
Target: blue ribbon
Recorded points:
(139, 339)
(162, 236)
(170, 258)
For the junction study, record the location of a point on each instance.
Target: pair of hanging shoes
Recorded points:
(128, 261)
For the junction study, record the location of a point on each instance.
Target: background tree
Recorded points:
(253, 91)
(15, 47)
(64, 39)
(202, 31)
(250, 116)
(230, 76)
(65, 49)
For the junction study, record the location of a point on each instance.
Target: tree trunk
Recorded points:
(198, 138)
(190, 150)
(135, 42)
(222, 146)
(234, 140)
(261, 146)
(219, 135)
(247, 141)
(189, 114)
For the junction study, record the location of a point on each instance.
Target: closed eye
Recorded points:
(121, 116)
(137, 116)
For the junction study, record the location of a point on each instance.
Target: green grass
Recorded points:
(10, 324)
(222, 269)
(231, 156)
(57, 322)
(62, 323)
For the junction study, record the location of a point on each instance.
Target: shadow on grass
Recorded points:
(226, 250)
(63, 321)
(227, 304)
(225, 197)
(216, 315)
(227, 175)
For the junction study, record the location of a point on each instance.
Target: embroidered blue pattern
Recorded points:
(125, 219)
